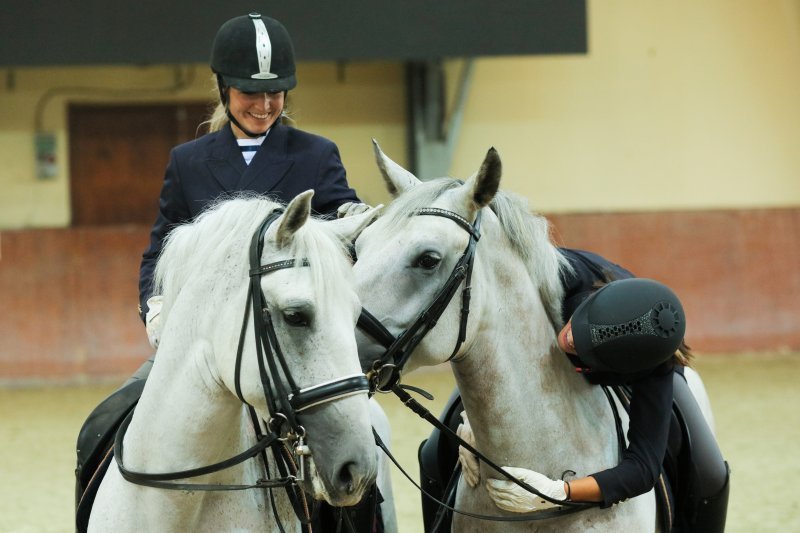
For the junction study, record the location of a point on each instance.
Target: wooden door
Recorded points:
(118, 154)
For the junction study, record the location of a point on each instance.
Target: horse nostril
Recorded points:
(346, 477)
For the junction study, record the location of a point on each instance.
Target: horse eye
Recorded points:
(428, 261)
(296, 319)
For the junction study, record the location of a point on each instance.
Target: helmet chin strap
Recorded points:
(223, 96)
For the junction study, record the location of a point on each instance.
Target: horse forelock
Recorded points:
(214, 250)
(397, 214)
(327, 257)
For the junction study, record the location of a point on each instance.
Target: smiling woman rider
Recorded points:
(248, 149)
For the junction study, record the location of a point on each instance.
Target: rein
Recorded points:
(283, 405)
(565, 507)
(386, 373)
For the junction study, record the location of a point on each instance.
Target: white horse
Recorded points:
(190, 414)
(527, 405)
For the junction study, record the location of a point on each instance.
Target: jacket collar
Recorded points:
(266, 170)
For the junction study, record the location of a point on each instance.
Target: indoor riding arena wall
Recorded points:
(70, 295)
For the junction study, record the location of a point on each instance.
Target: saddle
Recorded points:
(95, 446)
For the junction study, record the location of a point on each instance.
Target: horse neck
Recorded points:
(518, 388)
(185, 418)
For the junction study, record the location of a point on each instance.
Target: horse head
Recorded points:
(418, 253)
(275, 300)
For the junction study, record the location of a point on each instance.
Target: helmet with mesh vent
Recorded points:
(628, 326)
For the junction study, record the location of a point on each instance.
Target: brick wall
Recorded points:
(69, 296)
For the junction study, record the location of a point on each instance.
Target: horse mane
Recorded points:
(528, 233)
(213, 250)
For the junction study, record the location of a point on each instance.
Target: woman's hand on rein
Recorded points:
(509, 496)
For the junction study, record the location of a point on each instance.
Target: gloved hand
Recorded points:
(509, 496)
(470, 468)
(152, 321)
(350, 209)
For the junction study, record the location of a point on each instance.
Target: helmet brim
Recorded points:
(249, 85)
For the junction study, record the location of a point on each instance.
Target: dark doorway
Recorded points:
(118, 154)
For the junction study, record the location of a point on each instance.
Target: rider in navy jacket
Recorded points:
(288, 162)
(249, 149)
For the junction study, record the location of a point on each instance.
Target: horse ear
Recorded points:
(350, 227)
(297, 213)
(480, 189)
(397, 178)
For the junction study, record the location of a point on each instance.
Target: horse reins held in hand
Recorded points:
(566, 507)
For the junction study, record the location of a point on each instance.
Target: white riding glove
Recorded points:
(152, 321)
(509, 496)
(351, 208)
(470, 468)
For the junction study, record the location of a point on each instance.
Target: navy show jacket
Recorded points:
(288, 162)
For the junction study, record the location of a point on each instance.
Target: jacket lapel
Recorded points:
(270, 164)
(225, 161)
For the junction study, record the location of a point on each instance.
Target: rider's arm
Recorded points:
(584, 489)
(172, 209)
(637, 473)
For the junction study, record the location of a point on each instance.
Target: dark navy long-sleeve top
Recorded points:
(651, 394)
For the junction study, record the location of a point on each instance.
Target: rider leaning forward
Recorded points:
(248, 149)
(627, 332)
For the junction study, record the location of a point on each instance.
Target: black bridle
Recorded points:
(283, 400)
(386, 372)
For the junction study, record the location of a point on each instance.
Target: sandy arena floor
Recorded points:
(755, 397)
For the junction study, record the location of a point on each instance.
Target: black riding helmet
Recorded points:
(628, 326)
(255, 54)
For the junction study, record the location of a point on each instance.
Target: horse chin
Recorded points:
(314, 485)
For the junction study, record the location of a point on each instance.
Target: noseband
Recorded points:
(283, 404)
(386, 372)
